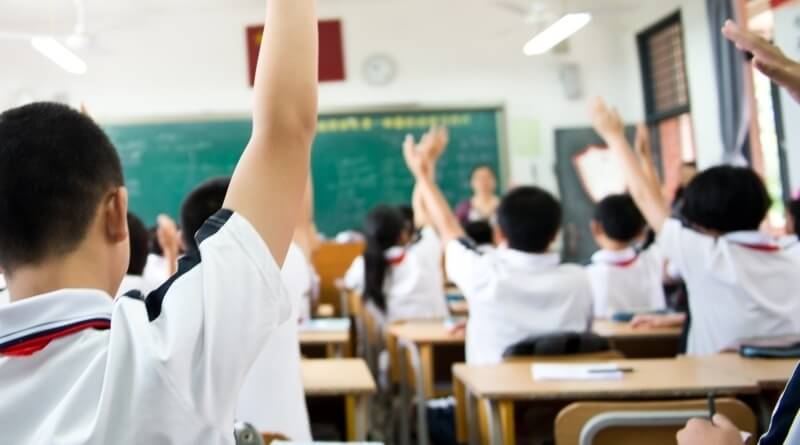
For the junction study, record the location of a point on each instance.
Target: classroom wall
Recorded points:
(193, 61)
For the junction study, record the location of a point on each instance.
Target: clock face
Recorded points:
(379, 70)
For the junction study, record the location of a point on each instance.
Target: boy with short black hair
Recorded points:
(624, 280)
(77, 366)
(518, 290)
(741, 282)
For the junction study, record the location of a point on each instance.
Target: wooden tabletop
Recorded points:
(767, 373)
(324, 332)
(614, 330)
(336, 377)
(661, 378)
(425, 332)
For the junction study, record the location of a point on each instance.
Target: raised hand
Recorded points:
(606, 120)
(767, 58)
(418, 163)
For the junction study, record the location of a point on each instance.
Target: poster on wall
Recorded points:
(331, 50)
(599, 172)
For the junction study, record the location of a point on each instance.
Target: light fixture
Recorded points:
(59, 54)
(557, 33)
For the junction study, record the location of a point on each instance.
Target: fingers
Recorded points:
(723, 422)
(694, 432)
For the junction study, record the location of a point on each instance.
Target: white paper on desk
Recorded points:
(583, 371)
(325, 325)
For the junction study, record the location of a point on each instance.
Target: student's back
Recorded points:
(77, 367)
(623, 279)
(519, 290)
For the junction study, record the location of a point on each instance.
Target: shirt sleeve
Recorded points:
(598, 282)
(210, 321)
(463, 266)
(429, 247)
(354, 277)
(683, 246)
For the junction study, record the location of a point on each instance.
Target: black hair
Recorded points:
(480, 232)
(138, 238)
(408, 217)
(383, 228)
(619, 217)
(56, 165)
(153, 246)
(530, 218)
(793, 207)
(726, 199)
(205, 200)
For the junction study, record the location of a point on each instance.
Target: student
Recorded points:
(134, 279)
(518, 290)
(740, 281)
(164, 247)
(77, 366)
(402, 279)
(482, 234)
(623, 279)
(783, 428)
(272, 397)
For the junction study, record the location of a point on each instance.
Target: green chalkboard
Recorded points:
(357, 160)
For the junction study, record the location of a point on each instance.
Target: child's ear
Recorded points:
(499, 236)
(116, 215)
(596, 227)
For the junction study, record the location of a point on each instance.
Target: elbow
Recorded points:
(290, 128)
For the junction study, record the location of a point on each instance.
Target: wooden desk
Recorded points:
(640, 342)
(347, 378)
(414, 342)
(500, 386)
(767, 373)
(333, 334)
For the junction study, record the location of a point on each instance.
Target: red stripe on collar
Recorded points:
(394, 261)
(761, 247)
(35, 343)
(627, 263)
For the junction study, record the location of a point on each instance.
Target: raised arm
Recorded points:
(645, 190)
(268, 183)
(441, 216)
(767, 58)
(431, 147)
(644, 150)
(305, 233)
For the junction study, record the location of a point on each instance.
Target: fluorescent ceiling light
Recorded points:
(59, 54)
(557, 33)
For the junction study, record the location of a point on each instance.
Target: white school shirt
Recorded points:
(627, 281)
(155, 269)
(741, 285)
(165, 370)
(514, 295)
(414, 285)
(136, 282)
(272, 397)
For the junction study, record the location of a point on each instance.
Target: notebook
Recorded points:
(582, 371)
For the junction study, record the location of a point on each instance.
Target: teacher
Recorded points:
(484, 201)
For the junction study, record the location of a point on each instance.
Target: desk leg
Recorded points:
(405, 398)
(461, 401)
(507, 422)
(473, 431)
(426, 364)
(415, 356)
(330, 350)
(356, 412)
(495, 429)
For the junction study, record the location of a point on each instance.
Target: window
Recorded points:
(667, 103)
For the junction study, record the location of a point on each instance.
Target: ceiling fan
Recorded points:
(61, 48)
(556, 21)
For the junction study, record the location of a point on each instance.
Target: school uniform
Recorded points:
(136, 283)
(155, 269)
(272, 397)
(78, 367)
(5, 298)
(414, 285)
(784, 426)
(741, 285)
(627, 281)
(514, 295)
